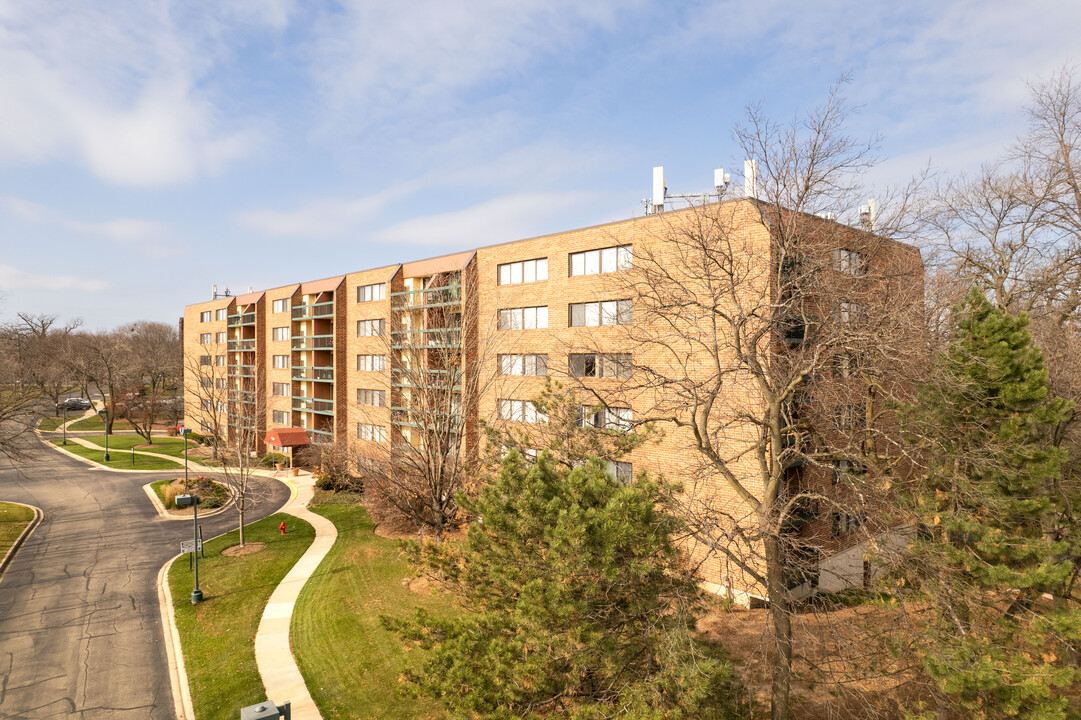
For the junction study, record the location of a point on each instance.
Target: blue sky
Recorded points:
(150, 149)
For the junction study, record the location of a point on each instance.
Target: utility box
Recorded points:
(184, 500)
(265, 711)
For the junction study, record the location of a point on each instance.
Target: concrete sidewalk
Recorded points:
(273, 653)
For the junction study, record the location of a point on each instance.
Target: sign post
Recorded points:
(193, 500)
(184, 436)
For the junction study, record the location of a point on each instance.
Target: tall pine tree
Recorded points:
(994, 644)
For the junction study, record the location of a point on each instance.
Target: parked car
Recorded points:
(73, 404)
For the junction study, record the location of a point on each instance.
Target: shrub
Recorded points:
(168, 495)
(270, 459)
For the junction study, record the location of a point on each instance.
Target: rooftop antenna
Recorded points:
(654, 205)
(868, 215)
(214, 292)
(750, 178)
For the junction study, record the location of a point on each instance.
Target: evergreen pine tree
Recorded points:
(575, 603)
(995, 646)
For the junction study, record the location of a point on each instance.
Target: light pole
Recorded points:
(184, 436)
(106, 411)
(193, 500)
(65, 425)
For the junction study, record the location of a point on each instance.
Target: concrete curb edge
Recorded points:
(178, 676)
(9, 557)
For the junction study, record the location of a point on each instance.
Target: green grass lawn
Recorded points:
(218, 635)
(13, 518)
(119, 459)
(164, 445)
(350, 663)
(51, 423)
(96, 423)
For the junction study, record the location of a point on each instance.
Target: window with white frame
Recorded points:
(280, 306)
(846, 471)
(223, 406)
(219, 314)
(621, 471)
(281, 417)
(527, 318)
(606, 418)
(219, 360)
(204, 338)
(371, 293)
(849, 262)
(279, 333)
(219, 338)
(850, 312)
(281, 361)
(373, 398)
(600, 365)
(843, 523)
(371, 363)
(371, 328)
(204, 360)
(375, 433)
(594, 314)
(604, 260)
(279, 389)
(219, 383)
(523, 365)
(204, 316)
(206, 382)
(523, 271)
(205, 404)
(520, 411)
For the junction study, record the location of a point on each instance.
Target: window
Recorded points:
(206, 382)
(521, 411)
(204, 360)
(281, 361)
(592, 314)
(204, 316)
(280, 306)
(846, 522)
(371, 363)
(849, 262)
(281, 417)
(219, 360)
(374, 398)
(219, 383)
(528, 318)
(205, 404)
(845, 471)
(845, 365)
(223, 406)
(279, 389)
(376, 433)
(525, 271)
(220, 314)
(523, 365)
(369, 293)
(848, 416)
(606, 418)
(600, 366)
(219, 338)
(621, 471)
(605, 260)
(371, 328)
(279, 333)
(849, 312)
(204, 338)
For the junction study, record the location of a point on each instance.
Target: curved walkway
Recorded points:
(273, 653)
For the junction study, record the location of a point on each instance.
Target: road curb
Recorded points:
(178, 675)
(9, 557)
(164, 514)
(91, 463)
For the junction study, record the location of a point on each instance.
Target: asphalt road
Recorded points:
(80, 628)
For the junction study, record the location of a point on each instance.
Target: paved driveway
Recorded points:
(80, 628)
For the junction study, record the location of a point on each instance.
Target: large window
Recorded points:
(281, 417)
(621, 471)
(279, 389)
(371, 363)
(373, 398)
(204, 360)
(849, 262)
(220, 314)
(204, 316)
(371, 328)
(281, 361)
(376, 433)
(368, 293)
(605, 260)
(206, 382)
(593, 314)
(280, 306)
(527, 318)
(523, 365)
(600, 365)
(606, 418)
(279, 333)
(219, 338)
(523, 271)
(219, 383)
(219, 360)
(204, 338)
(521, 411)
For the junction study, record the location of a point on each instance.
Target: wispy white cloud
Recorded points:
(148, 235)
(12, 278)
(321, 217)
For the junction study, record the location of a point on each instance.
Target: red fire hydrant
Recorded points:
(282, 527)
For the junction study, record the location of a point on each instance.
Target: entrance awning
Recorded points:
(287, 437)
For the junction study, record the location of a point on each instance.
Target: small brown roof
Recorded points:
(318, 286)
(287, 437)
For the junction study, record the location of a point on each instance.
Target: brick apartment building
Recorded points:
(329, 356)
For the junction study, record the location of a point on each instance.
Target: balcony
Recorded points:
(313, 342)
(426, 339)
(240, 345)
(243, 396)
(316, 310)
(320, 437)
(238, 320)
(318, 374)
(307, 404)
(241, 421)
(244, 371)
(448, 296)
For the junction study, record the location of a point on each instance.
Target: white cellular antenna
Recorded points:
(750, 178)
(869, 215)
(660, 190)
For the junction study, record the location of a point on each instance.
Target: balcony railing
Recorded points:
(245, 371)
(316, 310)
(307, 404)
(320, 437)
(244, 319)
(241, 421)
(240, 345)
(428, 297)
(318, 374)
(313, 342)
(245, 396)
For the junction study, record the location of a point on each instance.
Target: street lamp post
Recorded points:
(106, 411)
(193, 500)
(65, 425)
(184, 436)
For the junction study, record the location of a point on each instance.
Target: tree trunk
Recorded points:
(240, 510)
(780, 613)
